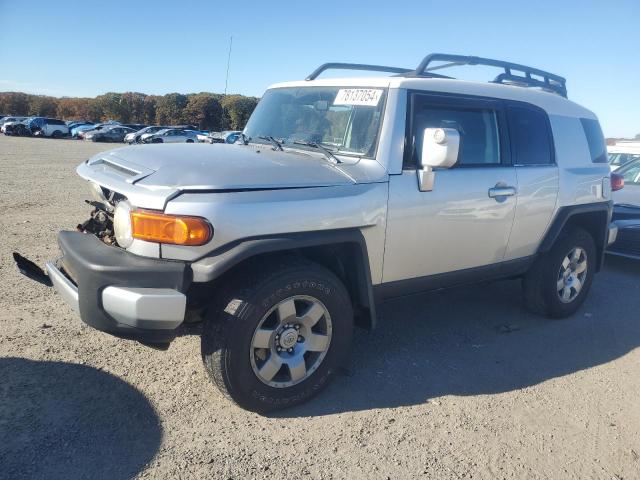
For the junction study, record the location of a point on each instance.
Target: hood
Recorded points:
(160, 171)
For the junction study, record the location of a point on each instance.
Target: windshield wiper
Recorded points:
(328, 153)
(276, 144)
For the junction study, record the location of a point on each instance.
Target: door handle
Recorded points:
(498, 192)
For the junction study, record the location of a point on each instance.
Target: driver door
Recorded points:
(462, 223)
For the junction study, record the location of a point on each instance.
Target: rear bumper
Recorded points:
(627, 241)
(120, 293)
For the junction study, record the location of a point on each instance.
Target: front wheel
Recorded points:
(276, 338)
(558, 283)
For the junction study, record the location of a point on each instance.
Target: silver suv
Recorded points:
(340, 194)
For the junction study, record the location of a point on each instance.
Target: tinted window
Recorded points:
(530, 140)
(478, 127)
(595, 139)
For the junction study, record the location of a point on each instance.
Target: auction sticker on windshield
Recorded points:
(358, 96)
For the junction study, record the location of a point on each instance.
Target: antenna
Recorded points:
(226, 80)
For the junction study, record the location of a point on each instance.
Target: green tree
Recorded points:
(204, 110)
(132, 107)
(169, 108)
(149, 109)
(42, 106)
(237, 110)
(111, 106)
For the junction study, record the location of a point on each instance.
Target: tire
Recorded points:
(552, 290)
(157, 140)
(56, 134)
(189, 141)
(256, 310)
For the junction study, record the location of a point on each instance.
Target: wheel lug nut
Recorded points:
(300, 339)
(290, 350)
(297, 327)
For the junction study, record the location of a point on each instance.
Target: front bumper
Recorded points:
(118, 292)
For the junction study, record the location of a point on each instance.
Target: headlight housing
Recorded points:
(122, 224)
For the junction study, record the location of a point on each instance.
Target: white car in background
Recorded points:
(622, 153)
(171, 135)
(10, 121)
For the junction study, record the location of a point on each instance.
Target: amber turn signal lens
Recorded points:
(162, 228)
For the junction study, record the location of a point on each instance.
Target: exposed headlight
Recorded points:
(122, 224)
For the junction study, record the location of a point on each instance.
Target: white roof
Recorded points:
(552, 103)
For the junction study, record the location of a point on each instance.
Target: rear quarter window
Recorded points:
(595, 139)
(531, 141)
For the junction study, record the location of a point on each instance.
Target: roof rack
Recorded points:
(548, 81)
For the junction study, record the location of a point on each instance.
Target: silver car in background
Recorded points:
(135, 137)
(171, 135)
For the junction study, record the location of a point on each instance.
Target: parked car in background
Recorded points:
(112, 133)
(9, 121)
(227, 136)
(19, 129)
(135, 126)
(77, 123)
(49, 127)
(134, 137)
(623, 152)
(171, 135)
(76, 130)
(82, 131)
(626, 212)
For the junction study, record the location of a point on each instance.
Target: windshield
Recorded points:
(345, 120)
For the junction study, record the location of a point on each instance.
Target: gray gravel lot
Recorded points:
(456, 384)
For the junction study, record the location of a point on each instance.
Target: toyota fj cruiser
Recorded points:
(339, 194)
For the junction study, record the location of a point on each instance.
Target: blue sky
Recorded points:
(87, 48)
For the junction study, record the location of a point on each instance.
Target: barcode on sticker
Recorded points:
(358, 96)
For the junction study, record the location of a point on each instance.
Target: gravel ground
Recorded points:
(455, 384)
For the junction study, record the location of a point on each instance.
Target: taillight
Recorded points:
(617, 182)
(162, 228)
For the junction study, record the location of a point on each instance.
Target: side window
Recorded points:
(595, 139)
(477, 125)
(530, 137)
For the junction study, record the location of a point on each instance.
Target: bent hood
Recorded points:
(161, 171)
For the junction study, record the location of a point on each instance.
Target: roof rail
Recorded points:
(355, 66)
(548, 81)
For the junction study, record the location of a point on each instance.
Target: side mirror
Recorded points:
(440, 148)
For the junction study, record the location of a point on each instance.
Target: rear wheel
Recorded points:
(558, 283)
(189, 140)
(56, 134)
(157, 140)
(277, 336)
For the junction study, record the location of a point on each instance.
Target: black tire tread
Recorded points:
(242, 285)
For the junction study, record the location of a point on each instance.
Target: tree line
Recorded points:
(209, 111)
